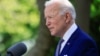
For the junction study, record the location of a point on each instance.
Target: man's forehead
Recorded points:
(54, 6)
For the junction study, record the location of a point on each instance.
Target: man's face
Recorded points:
(55, 22)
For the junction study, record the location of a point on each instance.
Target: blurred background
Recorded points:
(23, 21)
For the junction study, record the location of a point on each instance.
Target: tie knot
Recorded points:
(61, 41)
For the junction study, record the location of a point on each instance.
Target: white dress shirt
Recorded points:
(68, 34)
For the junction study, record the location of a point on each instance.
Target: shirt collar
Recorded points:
(69, 32)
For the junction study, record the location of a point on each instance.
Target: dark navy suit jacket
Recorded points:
(80, 44)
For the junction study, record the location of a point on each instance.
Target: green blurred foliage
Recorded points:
(95, 21)
(95, 8)
(19, 20)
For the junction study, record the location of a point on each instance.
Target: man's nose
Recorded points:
(47, 22)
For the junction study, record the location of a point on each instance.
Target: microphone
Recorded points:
(17, 50)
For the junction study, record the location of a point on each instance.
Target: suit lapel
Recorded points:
(69, 43)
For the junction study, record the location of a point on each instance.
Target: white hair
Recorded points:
(66, 6)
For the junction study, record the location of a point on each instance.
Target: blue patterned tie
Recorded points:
(58, 47)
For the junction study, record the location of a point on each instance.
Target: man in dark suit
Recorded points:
(60, 19)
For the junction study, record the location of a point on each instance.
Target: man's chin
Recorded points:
(52, 34)
(55, 34)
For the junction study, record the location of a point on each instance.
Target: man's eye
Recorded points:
(50, 17)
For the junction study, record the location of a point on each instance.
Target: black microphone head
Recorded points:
(17, 49)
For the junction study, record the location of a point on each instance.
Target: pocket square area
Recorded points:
(65, 55)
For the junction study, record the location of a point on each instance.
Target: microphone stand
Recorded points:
(8, 54)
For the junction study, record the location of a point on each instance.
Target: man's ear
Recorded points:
(68, 17)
